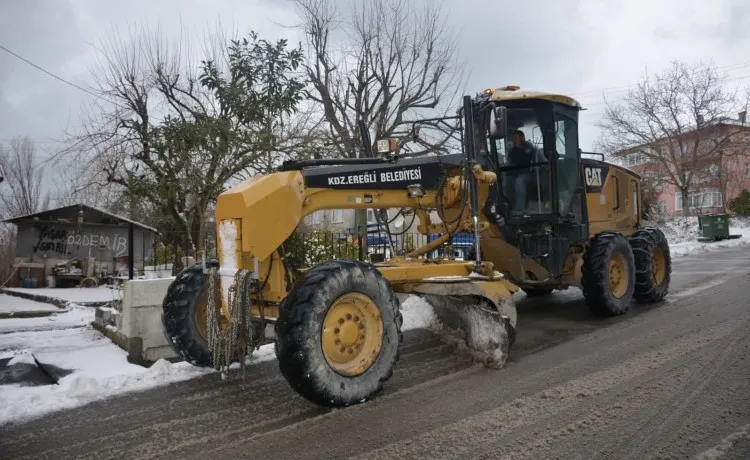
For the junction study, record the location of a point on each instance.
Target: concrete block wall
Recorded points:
(141, 319)
(137, 327)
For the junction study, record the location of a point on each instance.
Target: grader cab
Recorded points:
(543, 218)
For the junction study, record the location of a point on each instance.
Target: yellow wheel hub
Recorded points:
(618, 275)
(659, 266)
(352, 334)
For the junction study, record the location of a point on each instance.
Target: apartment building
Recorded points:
(720, 167)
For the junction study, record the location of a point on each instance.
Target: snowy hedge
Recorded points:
(307, 249)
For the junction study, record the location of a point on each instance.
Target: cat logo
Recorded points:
(593, 177)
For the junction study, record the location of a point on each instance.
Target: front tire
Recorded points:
(608, 275)
(184, 315)
(653, 265)
(338, 333)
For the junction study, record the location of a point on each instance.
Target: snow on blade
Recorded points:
(417, 314)
(474, 329)
(448, 278)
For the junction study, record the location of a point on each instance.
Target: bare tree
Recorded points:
(384, 62)
(178, 129)
(680, 122)
(79, 183)
(23, 179)
(7, 252)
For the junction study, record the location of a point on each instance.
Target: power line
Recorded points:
(55, 76)
(46, 141)
(618, 89)
(48, 72)
(600, 102)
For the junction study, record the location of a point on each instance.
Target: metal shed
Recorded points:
(102, 243)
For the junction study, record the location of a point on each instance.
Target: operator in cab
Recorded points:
(522, 153)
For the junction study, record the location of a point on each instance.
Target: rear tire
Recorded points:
(304, 333)
(608, 275)
(184, 297)
(653, 265)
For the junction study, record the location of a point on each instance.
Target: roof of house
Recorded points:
(69, 214)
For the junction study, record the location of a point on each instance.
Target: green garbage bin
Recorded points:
(714, 227)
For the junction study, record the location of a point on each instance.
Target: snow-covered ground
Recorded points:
(74, 316)
(75, 294)
(99, 368)
(683, 234)
(12, 304)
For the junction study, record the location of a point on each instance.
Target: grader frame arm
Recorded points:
(256, 217)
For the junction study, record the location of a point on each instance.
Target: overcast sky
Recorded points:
(580, 47)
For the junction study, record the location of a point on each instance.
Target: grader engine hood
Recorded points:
(264, 209)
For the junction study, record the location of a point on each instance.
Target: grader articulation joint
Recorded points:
(542, 218)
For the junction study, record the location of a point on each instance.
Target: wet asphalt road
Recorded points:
(665, 381)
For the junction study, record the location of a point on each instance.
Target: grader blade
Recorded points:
(474, 326)
(478, 317)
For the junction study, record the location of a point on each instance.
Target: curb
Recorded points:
(115, 336)
(59, 303)
(26, 314)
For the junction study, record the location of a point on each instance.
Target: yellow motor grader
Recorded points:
(543, 217)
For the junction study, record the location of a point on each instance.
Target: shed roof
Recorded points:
(69, 214)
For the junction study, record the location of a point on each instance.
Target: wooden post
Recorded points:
(131, 252)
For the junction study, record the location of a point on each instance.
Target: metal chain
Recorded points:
(233, 344)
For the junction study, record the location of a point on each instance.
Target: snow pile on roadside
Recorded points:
(683, 233)
(18, 403)
(98, 368)
(678, 230)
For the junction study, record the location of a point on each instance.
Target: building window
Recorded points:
(747, 170)
(317, 217)
(707, 198)
(634, 159)
(371, 216)
(337, 216)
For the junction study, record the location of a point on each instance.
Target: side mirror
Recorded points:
(500, 130)
(498, 122)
